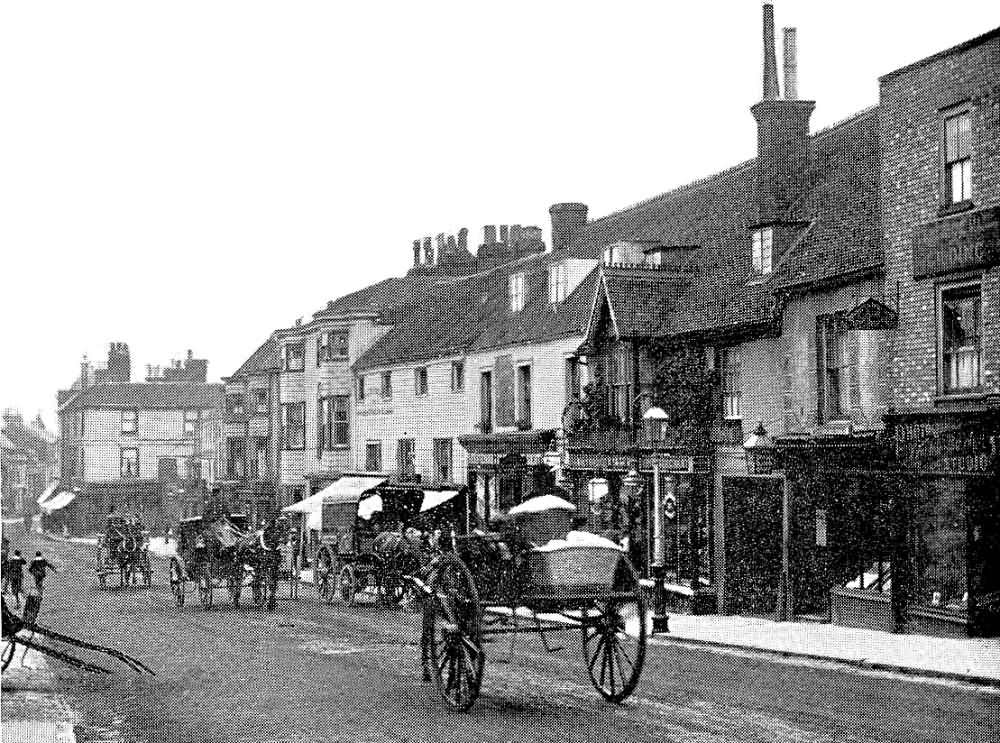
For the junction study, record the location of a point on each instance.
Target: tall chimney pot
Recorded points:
(463, 240)
(791, 65)
(428, 252)
(503, 234)
(770, 60)
(489, 234)
(416, 252)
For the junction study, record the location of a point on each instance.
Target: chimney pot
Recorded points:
(770, 62)
(416, 252)
(503, 234)
(791, 64)
(428, 252)
(463, 240)
(567, 219)
(489, 234)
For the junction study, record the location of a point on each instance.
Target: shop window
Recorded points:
(958, 158)
(942, 582)
(960, 338)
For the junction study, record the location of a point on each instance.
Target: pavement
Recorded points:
(32, 711)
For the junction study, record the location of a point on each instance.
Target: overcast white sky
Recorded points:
(194, 174)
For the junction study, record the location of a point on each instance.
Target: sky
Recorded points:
(192, 175)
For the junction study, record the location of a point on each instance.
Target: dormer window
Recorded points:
(558, 282)
(624, 253)
(763, 240)
(294, 356)
(516, 285)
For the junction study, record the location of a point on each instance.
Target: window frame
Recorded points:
(121, 463)
(522, 395)
(442, 446)
(969, 286)
(240, 407)
(458, 376)
(287, 356)
(411, 446)
(386, 385)
(370, 446)
(558, 282)
(515, 291)
(421, 381)
(332, 345)
(730, 369)
(193, 417)
(964, 161)
(259, 407)
(361, 387)
(134, 430)
(757, 243)
(286, 426)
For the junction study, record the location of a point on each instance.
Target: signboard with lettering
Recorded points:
(961, 241)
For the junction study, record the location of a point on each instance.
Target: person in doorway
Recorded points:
(15, 568)
(39, 568)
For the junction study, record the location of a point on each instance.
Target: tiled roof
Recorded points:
(150, 395)
(264, 358)
(839, 207)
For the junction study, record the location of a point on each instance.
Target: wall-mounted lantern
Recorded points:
(760, 452)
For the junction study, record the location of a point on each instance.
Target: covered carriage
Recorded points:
(222, 551)
(123, 552)
(374, 532)
(536, 576)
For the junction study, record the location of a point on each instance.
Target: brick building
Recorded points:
(940, 191)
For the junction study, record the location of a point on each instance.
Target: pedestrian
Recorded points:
(38, 568)
(15, 569)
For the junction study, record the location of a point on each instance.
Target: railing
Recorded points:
(623, 439)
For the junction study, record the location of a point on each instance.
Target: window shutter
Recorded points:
(821, 325)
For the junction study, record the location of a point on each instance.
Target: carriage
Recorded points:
(221, 551)
(123, 551)
(532, 578)
(376, 533)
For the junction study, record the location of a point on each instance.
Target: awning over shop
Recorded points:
(47, 493)
(434, 498)
(58, 502)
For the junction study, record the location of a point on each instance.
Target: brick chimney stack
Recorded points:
(567, 219)
(119, 364)
(782, 137)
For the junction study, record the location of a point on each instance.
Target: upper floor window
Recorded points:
(420, 380)
(361, 386)
(234, 403)
(960, 338)
(457, 376)
(406, 457)
(191, 422)
(373, 456)
(443, 460)
(763, 240)
(558, 282)
(332, 345)
(516, 285)
(129, 462)
(293, 425)
(294, 356)
(387, 384)
(130, 421)
(958, 158)
(574, 386)
(524, 396)
(259, 397)
(334, 426)
(732, 384)
(837, 360)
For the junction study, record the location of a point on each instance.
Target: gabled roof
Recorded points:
(152, 396)
(265, 358)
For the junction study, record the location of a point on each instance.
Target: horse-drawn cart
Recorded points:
(221, 551)
(504, 584)
(123, 551)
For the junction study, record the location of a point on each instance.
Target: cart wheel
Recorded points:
(325, 576)
(205, 589)
(614, 657)
(347, 584)
(455, 644)
(177, 581)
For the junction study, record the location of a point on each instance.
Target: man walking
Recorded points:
(15, 569)
(38, 568)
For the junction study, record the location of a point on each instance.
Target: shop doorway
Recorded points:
(753, 543)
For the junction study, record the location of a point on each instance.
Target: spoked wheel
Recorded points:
(205, 589)
(614, 637)
(324, 576)
(347, 584)
(177, 581)
(455, 644)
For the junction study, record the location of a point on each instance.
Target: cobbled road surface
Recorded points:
(316, 672)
